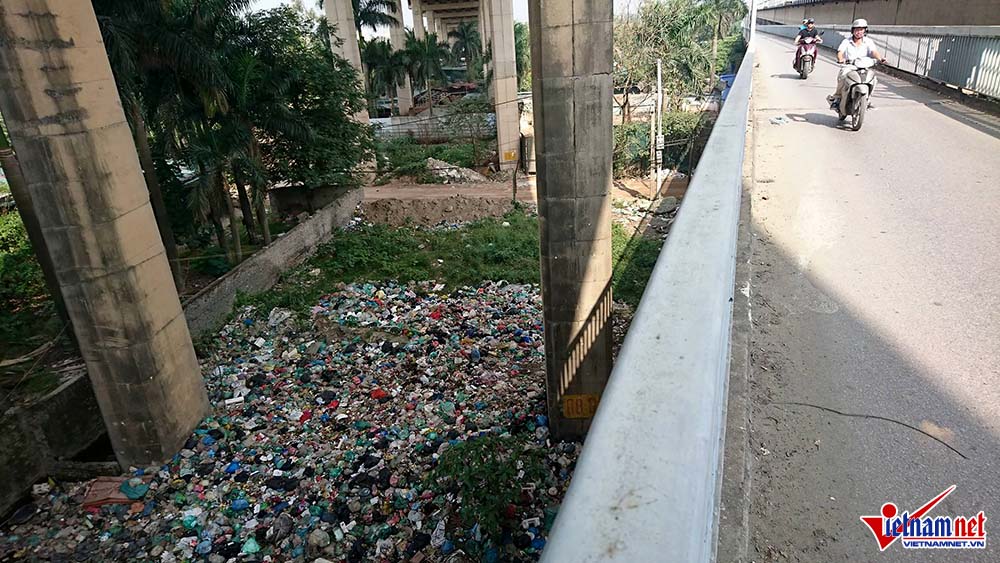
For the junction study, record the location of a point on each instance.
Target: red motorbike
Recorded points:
(805, 56)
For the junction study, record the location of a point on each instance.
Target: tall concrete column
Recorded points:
(61, 106)
(484, 24)
(505, 80)
(340, 13)
(431, 22)
(397, 35)
(418, 19)
(571, 78)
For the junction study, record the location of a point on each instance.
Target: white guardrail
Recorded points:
(646, 487)
(964, 56)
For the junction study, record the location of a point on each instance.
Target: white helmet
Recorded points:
(860, 22)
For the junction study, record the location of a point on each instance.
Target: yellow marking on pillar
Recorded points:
(580, 406)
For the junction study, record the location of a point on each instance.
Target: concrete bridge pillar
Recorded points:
(340, 13)
(397, 35)
(418, 19)
(501, 31)
(572, 86)
(431, 22)
(78, 158)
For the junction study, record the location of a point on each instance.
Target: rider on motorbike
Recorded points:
(808, 31)
(857, 46)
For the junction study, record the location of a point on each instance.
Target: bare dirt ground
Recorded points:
(401, 203)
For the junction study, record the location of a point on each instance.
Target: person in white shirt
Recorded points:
(857, 46)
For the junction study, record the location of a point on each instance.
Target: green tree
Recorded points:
(721, 15)
(386, 68)
(325, 94)
(425, 58)
(468, 44)
(150, 51)
(522, 55)
(371, 14)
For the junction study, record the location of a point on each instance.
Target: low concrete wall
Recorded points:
(290, 201)
(887, 12)
(206, 310)
(34, 436)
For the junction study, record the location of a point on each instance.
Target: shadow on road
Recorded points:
(838, 430)
(824, 119)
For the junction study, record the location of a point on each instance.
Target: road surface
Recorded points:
(875, 299)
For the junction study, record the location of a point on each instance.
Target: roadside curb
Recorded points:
(734, 532)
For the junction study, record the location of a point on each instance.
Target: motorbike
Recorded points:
(860, 83)
(806, 55)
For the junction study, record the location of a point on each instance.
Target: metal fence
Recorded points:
(964, 56)
(646, 486)
(438, 127)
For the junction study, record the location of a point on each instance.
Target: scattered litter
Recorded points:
(114, 490)
(324, 436)
(780, 120)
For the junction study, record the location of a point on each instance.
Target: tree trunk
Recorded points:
(715, 54)
(246, 209)
(215, 214)
(430, 98)
(25, 206)
(234, 225)
(265, 227)
(141, 138)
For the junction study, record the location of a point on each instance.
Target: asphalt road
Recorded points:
(874, 292)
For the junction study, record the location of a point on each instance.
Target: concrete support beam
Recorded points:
(340, 14)
(571, 73)
(505, 81)
(61, 106)
(397, 36)
(485, 25)
(418, 19)
(455, 5)
(431, 23)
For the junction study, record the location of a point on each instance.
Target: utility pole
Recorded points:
(572, 89)
(79, 161)
(660, 145)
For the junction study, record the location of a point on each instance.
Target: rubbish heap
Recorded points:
(326, 426)
(450, 173)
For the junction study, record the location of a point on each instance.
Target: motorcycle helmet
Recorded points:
(860, 22)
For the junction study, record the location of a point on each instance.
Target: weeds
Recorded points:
(488, 472)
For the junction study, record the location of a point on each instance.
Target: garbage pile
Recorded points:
(454, 174)
(653, 219)
(326, 427)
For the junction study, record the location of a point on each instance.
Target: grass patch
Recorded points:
(485, 472)
(484, 250)
(404, 156)
(4, 187)
(634, 258)
(26, 309)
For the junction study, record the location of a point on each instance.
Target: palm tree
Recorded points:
(425, 58)
(142, 37)
(386, 67)
(467, 42)
(372, 14)
(721, 15)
